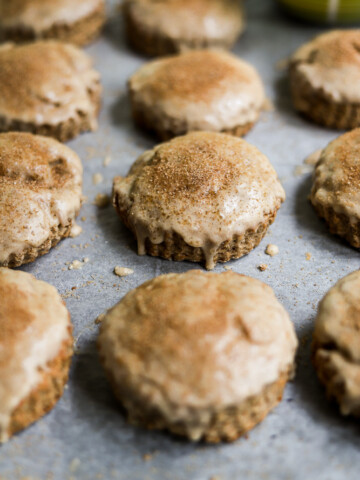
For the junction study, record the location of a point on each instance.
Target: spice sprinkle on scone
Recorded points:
(204, 197)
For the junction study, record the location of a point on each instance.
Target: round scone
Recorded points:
(36, 346)
(204, 197)
(336, 343)
(203, 355)
(199, 90)
(335, 193)
(325, 79)
(40, 195)
(160, 27)
(74, 21)
(48, 88)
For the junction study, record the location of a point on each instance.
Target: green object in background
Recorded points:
(330, 11)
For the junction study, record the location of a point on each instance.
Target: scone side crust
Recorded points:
(175, 248)
(28, 305)
(46, 393)
(223, 426)
(243, 201)
(195, 395)
(316, 106)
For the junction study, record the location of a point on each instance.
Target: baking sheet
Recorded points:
(86, 436)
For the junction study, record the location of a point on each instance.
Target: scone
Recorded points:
(203, 355)
(204, 197)
(325, 79)
(336, 343)
(74, 21)
(335, 193)
(48, 88)
(40, 195)
(160, 27)
(36, 346)
(200, 90)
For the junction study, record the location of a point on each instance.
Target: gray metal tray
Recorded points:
(86, 436)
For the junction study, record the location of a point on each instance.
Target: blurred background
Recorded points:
(328, 11)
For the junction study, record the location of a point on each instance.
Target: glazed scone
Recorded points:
(325, 79)
(48, 88)
(336, 343)
(36, 346)
(40, 195)
(200, 90)
(73, 21)
(204, 197)
(160, 27)
(181, 357)
(335, 193)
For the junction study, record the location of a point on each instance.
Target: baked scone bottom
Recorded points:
(143, 121)
(224, 425)
(316, 106)
(45, 394)
(174, 247)
(155, 42)
(81, 32)
(331, 366)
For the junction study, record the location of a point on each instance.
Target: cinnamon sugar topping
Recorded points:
(206, 187)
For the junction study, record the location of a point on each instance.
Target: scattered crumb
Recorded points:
(100, 318)
(226, 267)
(147, 457)
(77, 264)
(83, 219)
(282, 64)
(262, 267)
(107, 160)
(215, 477)
(272, 250)
(268, 105)
(313, 157)
(97, 178)
(102, 200)
(75, 230)
(302, 170)
(308, 255)
(123, 271)
(74, 465)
